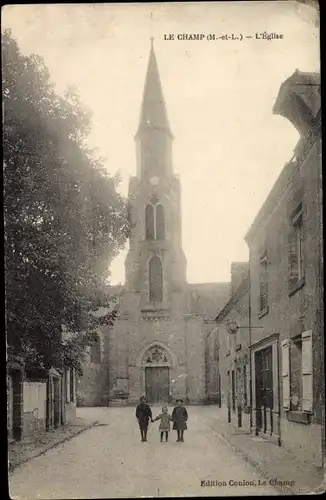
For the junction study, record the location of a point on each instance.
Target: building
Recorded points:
(38, 401)
(15, 412)
(286, 287)
(234, 349)
(157, 345)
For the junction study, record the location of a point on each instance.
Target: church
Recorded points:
(157, 346)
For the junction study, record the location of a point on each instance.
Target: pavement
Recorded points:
(290, 474)
(110, 461)
(37, 444)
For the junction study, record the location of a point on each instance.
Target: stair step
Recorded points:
(118, 402)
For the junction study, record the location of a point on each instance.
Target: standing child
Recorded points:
(143, 415)
(164, 424)
(179, 417)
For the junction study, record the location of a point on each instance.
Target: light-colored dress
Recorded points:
(165, 422)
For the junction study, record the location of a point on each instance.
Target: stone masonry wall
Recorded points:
(290, 315)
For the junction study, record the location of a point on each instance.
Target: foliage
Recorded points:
(64, 219)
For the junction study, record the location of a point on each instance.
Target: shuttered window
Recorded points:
(286, 374)
(295, 253)
(295, 374)
(307, 387)
(293, 260)
(263, 284)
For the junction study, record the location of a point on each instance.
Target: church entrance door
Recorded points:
(157, 384)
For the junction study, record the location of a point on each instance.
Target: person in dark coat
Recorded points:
(143, 415)
(179, 417)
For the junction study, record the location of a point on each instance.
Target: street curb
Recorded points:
(281, 488)
(12, 468)
(262, 471)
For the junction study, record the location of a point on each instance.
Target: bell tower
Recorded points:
(155, 264)
(156, 347)
(154, 137)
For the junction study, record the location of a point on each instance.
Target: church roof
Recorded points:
(208, 299)
(153, 112)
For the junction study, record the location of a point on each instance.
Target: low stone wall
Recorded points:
(33, 423)
(34, 415)
(70, 413)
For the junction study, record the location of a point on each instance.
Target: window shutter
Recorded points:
(292, 259)
(263, 295)
(286, 373)
(307, 388)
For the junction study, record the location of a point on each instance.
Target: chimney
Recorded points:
(239, 271)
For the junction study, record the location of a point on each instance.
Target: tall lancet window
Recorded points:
(154, 219)
(155, 280)
(159, 220)
(150, 222)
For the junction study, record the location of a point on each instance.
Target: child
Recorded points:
(143, 414)
(164, 424)
(179, 417)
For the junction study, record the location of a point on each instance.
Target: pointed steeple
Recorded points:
(153, 111)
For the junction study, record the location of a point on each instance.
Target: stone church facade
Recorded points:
(156, 347)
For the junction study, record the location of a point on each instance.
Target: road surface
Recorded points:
(109, 461)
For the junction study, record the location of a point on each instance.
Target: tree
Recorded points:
(64, 219)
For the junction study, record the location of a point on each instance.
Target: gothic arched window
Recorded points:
(156, 355)
(150, 222)
(159, 226)
(155, 280)
(154, 220)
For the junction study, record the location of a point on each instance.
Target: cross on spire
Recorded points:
(152, 38)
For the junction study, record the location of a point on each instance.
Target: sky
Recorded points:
(229, 148)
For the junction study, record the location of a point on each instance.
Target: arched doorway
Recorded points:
(157, 371)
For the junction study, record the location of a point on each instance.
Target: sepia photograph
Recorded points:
(163, 249)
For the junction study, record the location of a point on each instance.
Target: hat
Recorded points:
(179, 399)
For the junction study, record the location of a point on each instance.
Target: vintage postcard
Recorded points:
(163, 249)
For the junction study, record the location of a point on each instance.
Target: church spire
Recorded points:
(153, 111)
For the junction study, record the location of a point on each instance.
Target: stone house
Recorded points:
(213, 378)
(234, 349)
(38, 399)
(37, 402)
(286, 287)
